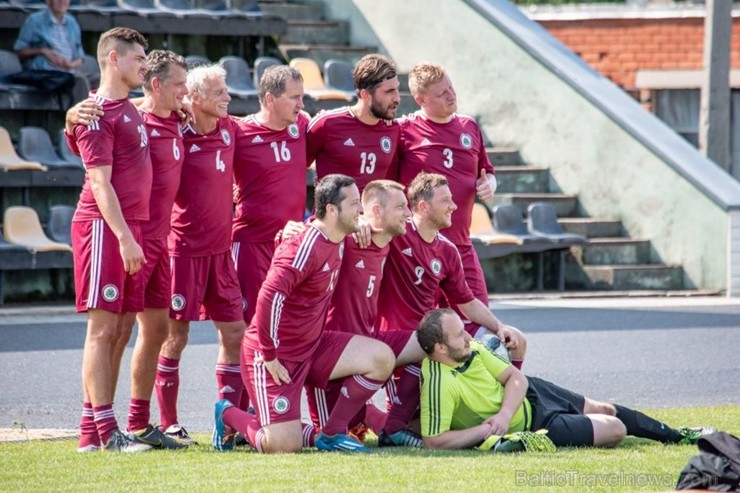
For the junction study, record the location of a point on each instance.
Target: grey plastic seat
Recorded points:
(197, 61)
(60, 223)
(260, 65)
(9, 63)
(338, 75)
(238, 77)
(543, 221)
(66, 153)
(507, 219)
(35, 145)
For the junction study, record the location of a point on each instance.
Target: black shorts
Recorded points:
(560, 411)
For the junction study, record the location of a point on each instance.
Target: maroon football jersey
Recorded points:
(270, 174)
(415, 273)
(455, 150)
(294, 299)
(202, 214)
(341, 143)
(354, 306)
(119, 140)
(167, 153)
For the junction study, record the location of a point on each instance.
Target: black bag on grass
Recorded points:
(716, 468)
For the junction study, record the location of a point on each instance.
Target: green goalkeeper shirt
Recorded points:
(458, 398)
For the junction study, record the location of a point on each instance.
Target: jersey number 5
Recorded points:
(371, 286)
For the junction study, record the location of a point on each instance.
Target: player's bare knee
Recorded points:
(591, 406)
(608, 431)
(384, 362)
(282, 440)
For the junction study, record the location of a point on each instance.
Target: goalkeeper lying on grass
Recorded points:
(470, 397)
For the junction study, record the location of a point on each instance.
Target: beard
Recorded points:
(461, 356)
(378, 111)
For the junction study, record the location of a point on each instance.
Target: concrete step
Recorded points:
(592, 227)
(522, 179)
(565, 205)
(639, 277)
(316, 32)
(294, 11)
(322, 53)
(504, 156)
(613, 251)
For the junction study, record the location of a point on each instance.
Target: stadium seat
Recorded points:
(9, 160)
(238, 78)
(143, 7)
(543, 221)
(60, 223)
(90, 70)
(313, 83)
(260, 65)
(35, 145)
(338, 75)
(9, 63)
(487, 242)
(21, 226)
(197, 61)
(507, 219)
(66, 153)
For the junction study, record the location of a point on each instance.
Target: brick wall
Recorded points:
(618, 48)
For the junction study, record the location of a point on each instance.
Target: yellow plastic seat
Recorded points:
(21, 226)
(481, 228)
(9, 160)
(313, 82)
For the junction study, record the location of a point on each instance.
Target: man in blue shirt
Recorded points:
(51, 39)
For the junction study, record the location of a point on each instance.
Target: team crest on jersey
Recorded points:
(226, 137)
(436, 266)
(466, 141)
(281, 405)
(109, 292)
(293, 130)
(178, 302)
(385, 144)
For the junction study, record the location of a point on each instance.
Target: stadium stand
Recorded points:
(21, 226)
(238, 77)
(197, 61)
(338, 76)
(60, 223)
(35, 145)
(9, 159)
(65, 152)
(313, 82)
(260, 65)
(19, 96)
(487, 242)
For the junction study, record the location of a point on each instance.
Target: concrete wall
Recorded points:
(523, 103)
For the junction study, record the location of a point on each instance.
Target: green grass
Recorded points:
(637, 465)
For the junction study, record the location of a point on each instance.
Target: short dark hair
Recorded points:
(275, 78)
(329, 191)
(423, 186)
(372, 70)
(430, 330)
(158, 63)
(119, 39)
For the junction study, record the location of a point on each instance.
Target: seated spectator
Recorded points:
(51, 39)
(469, 395)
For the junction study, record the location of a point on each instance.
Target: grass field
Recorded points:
(637, 465)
